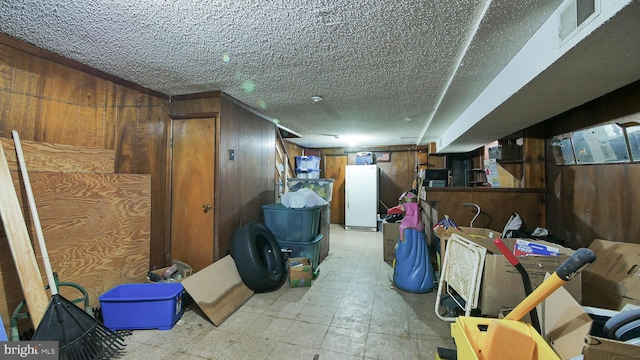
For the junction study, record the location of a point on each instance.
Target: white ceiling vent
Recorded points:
(574, 15)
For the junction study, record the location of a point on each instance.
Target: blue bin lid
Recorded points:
(277, 206)
(142, 291)
(308, 157)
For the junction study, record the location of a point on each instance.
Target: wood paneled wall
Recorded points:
(534, 157)
(496, 206)
(293, 150)
(396, 177)
(242, 185)
(51, 99)
(248, 182)
(586, 202)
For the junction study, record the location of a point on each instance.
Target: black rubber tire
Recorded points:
(258, 258)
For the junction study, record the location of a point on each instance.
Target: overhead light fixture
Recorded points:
(352, 140)
(316, 98)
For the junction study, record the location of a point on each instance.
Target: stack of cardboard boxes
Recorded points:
(611, 282)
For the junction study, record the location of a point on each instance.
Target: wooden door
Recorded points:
(192, 189)
(334, 168)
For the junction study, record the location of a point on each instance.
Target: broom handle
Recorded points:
(565, 272)
(34, 214)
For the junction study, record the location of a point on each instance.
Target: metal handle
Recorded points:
(206, 208)
(575, 263)
(477, 212)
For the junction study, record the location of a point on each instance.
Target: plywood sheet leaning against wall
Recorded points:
(96, 223)
(59, 158)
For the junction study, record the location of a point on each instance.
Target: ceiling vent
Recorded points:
(575, 15)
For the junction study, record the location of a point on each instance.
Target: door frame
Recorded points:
(170, 180)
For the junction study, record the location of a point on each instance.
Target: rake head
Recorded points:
(79, 335)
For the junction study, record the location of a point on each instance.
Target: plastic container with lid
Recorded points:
(308, 162)
(292, 225)
(322, 187)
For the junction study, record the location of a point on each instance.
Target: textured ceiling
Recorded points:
(375, 63)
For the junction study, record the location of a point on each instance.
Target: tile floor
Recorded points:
(351, 311)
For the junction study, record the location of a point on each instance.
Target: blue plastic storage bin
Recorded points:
(364, 158)
(293, 225)
(3, 333)
(310, 250)
(142, 306)
(307, 174)
(308, 162)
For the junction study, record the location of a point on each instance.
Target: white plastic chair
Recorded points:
(462, 272)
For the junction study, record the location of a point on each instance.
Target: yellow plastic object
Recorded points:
(469, 335)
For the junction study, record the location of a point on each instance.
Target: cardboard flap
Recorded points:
(604, 349)
(218, 289)
(481, 232)
(565, 324)
(481, 236)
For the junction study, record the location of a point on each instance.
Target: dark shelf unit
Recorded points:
(473, 179)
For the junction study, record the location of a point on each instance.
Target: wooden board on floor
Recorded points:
(218, 289)
(96, 227)
(41, 156)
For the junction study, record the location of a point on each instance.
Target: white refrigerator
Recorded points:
(361, 197)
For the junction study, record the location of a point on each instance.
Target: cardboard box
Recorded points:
(613, 280)
(501, 285)
(598, 348)
(390, 235)
(300, 272)
(566, 327)
(478, 233)
(183, 270)
(467, 232)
